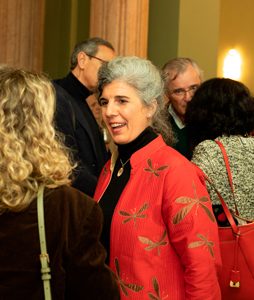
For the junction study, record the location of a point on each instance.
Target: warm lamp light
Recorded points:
(232, 65)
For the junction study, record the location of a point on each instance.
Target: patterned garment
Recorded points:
(240, 150)
(164, 238)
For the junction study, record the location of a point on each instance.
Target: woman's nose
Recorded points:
(110, 109)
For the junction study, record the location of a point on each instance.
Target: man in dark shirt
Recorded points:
(182, 78)
(73, 116)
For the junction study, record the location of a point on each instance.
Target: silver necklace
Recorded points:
(120, 171)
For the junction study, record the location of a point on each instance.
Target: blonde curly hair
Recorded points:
(30, 154)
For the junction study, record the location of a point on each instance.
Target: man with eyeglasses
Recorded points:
(73, 116)
(182, 77)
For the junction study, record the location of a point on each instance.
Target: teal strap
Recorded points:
(44, 257)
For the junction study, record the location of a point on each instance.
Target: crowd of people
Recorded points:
(136, 219)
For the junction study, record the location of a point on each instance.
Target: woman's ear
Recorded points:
(152, 109)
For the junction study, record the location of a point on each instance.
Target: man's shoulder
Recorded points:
(59, 89)
(60, 81)
(64, 86)
(60, 85)
(64, 105)
(63, 98)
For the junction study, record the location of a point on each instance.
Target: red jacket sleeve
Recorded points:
(193, 231)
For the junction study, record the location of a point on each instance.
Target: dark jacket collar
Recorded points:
(74, 87)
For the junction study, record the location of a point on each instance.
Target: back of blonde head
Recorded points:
(30, 154)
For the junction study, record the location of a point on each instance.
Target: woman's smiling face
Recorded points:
(123, 111)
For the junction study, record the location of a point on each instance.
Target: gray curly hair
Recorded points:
(146, 79)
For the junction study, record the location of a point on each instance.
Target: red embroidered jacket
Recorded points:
(164, 238)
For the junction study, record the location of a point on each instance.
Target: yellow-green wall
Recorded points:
(163, 30)
(236, 31)
(199, 33)
(66, 23)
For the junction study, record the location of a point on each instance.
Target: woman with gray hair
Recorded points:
(159, 230)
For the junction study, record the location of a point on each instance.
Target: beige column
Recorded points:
(122, 22)
(21, 33)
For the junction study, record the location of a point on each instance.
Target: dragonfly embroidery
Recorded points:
(203, 241)
(135, 215)
(154, 171)
(156, 289)
(189, 204)
(154, 244)
(124, 285)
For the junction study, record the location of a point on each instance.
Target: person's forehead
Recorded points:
(187, 78)
(105, 53)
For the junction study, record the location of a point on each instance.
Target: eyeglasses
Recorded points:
(95, 57)
(182, 92)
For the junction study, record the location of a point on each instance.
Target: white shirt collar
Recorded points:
(177, 120)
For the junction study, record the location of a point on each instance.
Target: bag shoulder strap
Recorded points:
(223, 203)
(44, 257)
(225, 157)
(226, 161)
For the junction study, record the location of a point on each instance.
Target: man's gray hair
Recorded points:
(90, 47)
(176, 66)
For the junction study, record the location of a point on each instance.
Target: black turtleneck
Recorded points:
(74, 87)
(113, 192)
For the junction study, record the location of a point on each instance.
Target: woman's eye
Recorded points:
(122, 101)
(103, 102)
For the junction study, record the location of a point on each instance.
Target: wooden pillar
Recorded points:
(21, 33)
(124, 23)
